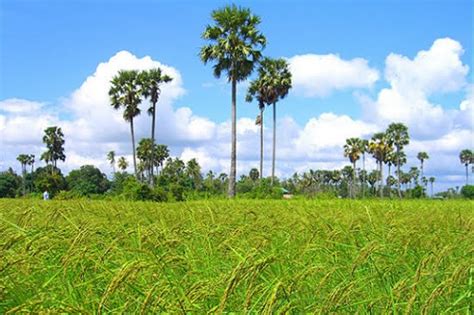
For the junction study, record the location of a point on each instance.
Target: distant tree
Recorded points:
(125, 92)
(23, 159)
(145, 155)
(380, 148)
(466, 157)
(235, 47)
(364, 148)
(49, 178)
(253, 174)
(373, 178)
(9, 184)
(353, 150)
(162, 153)
(111, 159)
(422, 156)
(414, 175)
(54, 140)
(87, 180)
(151, 82)
(398, 135)
(193, 172)
(122, 163)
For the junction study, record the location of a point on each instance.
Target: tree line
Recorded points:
(234, 46)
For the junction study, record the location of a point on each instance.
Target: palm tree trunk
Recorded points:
(261, 143)
(421, 168)
(389, 184)
(152, 179)
(431, 189)
(274, 143)
(132, 131)
(381, 179)
(398, 174)
(363, 167)
(467, 174)
(353, 179)
(233, 153)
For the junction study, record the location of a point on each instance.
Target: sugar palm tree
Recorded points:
(398, 135)
(353, 150)
(31, 162)
(122, 163)
(23, 159)
(466, 157)
(111, 159)
(151, 82)
(125, 92)
(364, 148)
(54, 140)
(257, 89)
(380, 148)
(422, 156)
(162, 153)
(235, 47)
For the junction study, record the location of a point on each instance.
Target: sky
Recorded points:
(357, 66)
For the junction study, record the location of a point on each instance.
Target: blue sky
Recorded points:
(373, 61)
(50, 47)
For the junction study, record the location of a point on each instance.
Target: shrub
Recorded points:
(467, 191)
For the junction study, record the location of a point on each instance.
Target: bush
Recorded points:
(467, 191)
(66, 195)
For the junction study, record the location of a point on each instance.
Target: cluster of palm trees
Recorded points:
(386, 148)
(128, 89)
(235, 47)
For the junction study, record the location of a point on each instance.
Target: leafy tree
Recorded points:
(111, 159)
(193, 172)
(54, 140)
(380, 148)
(49, 178)
(353, 150)
(235, 47)
(151, 82)
(467, 191)
(125, 92)
(254, 174)
(122, 163)
(87, 180)
(9, 184)
(466, 157)
(422, 156)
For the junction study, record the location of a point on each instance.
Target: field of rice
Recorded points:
(294, 256)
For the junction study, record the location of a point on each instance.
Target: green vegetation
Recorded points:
(257, 256)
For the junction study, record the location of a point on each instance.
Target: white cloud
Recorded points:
(320, 75)
(20, 106)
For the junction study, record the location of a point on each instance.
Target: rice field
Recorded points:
(294, 256)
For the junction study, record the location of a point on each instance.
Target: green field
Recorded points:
(248, 256)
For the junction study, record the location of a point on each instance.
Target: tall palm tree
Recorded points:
(235, 48)
(398, 135)
(125, 92)
(353, 150)
(23, 159)
(54, 140)
(380, 148)
(162, 153)
(151, 82)
(466, 157)
(111, 159)
(257, 90)
(422, 156)
(31, 162)
(364, 148)
(122, 163)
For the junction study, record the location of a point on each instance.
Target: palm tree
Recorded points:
(145, 155)
(23, 159)
(272, 85)
(162, 153)
(431, 180)
(380, 148)
(151, 88)
(466, 157)
(125, 92)
(257, 90)
(364, 148)
(353, 149)
(422, 156)
(399, 137)
(122, 163)
(235, 47)
(31, 162)
(193, 172)
(54, 140)
(111, 159)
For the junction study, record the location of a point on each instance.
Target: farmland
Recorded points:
(237, 255)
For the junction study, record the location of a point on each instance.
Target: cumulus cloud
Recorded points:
(321, 75)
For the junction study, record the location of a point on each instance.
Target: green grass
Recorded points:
(292, 256)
